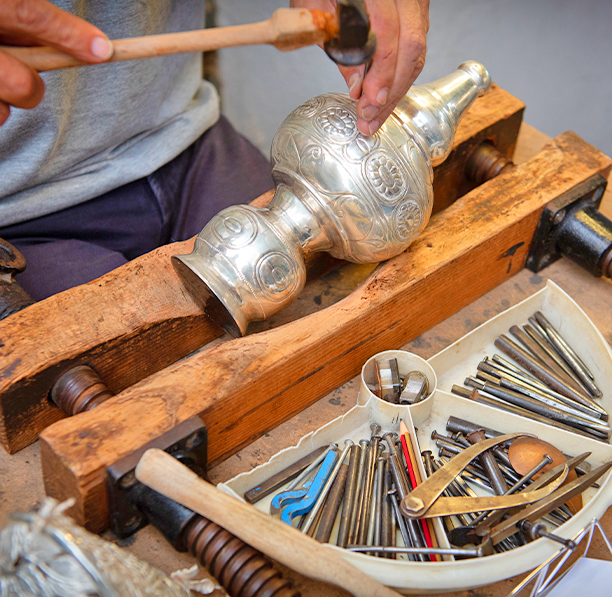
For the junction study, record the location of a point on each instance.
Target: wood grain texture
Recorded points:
(138, 319)
(244, 387)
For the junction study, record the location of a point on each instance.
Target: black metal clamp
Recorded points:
(571, 225)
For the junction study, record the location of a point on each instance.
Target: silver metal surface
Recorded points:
(349, 497)
(415, 389)
(362, 199)
(366, 449)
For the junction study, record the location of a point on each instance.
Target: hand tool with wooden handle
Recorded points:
(287, 545)
(287, 29)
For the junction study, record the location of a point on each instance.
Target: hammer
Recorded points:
(345, 35)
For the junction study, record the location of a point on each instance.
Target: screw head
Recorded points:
(558, 218)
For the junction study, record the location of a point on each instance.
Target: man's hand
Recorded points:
(38, 22)
(401, 33)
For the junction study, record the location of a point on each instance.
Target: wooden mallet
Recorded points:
(345, 35)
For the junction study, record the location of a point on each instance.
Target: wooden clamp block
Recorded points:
(139, 319)
(243, 387)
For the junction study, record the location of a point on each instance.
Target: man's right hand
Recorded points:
(34, 23)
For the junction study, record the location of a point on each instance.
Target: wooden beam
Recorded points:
(138, 319)
(244, 387)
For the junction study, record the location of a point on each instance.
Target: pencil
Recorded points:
(416, 479)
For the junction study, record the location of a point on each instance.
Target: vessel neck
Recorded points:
(432, 112)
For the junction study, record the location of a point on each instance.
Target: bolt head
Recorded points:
(412, 505)
(558, 218)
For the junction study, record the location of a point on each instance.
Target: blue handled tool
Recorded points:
(300, 501)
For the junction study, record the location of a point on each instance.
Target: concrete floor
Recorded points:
(554, 55)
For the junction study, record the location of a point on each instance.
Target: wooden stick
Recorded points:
(287, 29)
(287, 545)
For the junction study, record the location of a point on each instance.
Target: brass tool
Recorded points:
(544, 506)
(469, 533)
(425, 501)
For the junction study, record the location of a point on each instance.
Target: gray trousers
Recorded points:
(81, 243)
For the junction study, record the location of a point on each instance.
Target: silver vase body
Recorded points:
(362, 199)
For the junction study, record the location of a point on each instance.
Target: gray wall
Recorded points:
(555, 55)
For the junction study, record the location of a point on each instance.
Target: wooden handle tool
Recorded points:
(287, 545)
(286, 29)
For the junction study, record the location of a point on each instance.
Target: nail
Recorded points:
(353, 81)
(101, 48)
(366, 452)
(369, 112)
(374, 126)
(350, 492)
(381, 97)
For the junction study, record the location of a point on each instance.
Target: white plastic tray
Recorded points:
(446, 368)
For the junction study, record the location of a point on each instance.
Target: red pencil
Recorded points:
(415, 479)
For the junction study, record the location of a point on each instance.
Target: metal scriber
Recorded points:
(425, 501)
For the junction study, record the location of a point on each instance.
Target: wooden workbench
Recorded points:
(20, 476)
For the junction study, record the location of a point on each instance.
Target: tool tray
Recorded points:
(443, 370)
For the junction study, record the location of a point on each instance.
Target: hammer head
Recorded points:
(355, 43)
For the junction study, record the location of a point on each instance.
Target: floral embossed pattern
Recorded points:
(386, 177)
(309, 108)
(407, 219)
(338, 122)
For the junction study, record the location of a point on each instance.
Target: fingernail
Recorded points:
(374, 126)
(381, 97)
(369, 112)
(354, 79)
(101, 48)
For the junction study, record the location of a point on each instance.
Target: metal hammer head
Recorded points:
(355, 43)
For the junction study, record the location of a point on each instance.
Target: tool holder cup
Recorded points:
(362, 199)
(407, 362)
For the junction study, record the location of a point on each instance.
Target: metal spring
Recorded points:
(486, 162)
(241, 570)
(78, 390)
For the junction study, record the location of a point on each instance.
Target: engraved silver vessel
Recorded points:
(362, 199)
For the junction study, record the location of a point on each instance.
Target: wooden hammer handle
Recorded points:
(287, 545)
(287, 29)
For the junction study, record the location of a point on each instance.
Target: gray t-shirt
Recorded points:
(99, 127)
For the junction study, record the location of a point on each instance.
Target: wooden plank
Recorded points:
(138, 319)
(244, 387)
